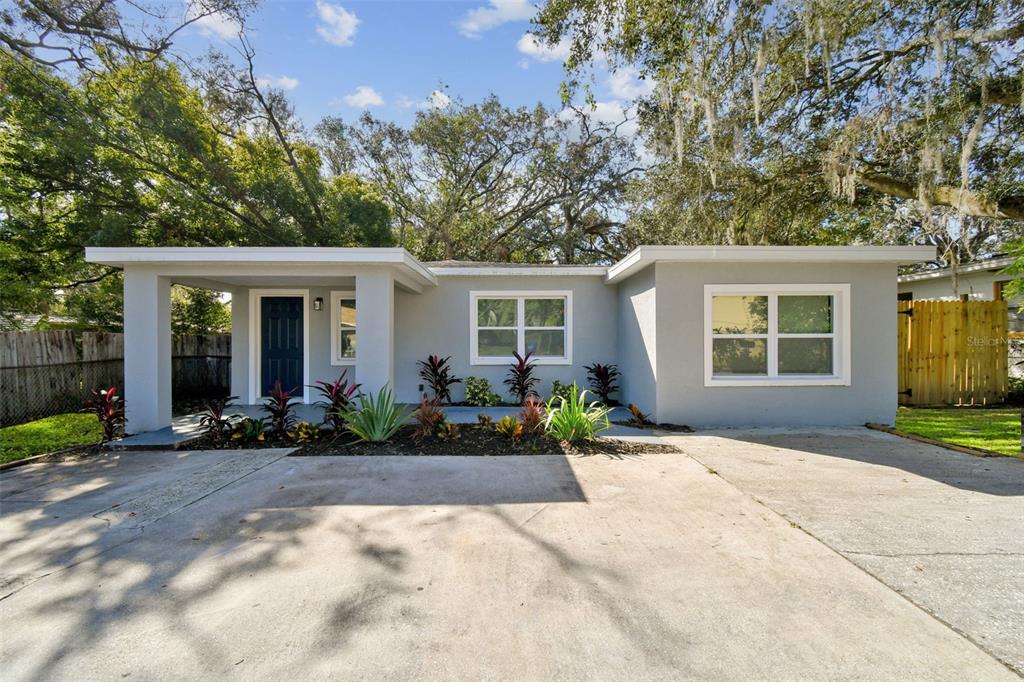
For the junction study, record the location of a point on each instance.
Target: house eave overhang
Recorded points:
(398, 259)
(939, 273)
(642, 256)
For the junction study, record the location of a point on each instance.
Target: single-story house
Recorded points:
(982, 280)
(704, 335)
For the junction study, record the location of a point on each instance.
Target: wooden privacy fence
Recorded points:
(51, 372)
(952, 352)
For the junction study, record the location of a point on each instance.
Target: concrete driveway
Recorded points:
(251, 565)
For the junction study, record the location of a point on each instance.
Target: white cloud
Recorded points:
(220, 25)
(405, 102)
(625, 84)
(499, 12)
(437, 100)
(535, 49)
(281, 82)
(338, 25)
(524, 64)
(363, 97)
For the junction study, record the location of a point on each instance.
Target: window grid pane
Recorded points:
(346, 329)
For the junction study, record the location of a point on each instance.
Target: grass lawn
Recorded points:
(47, 435)
(990, 429)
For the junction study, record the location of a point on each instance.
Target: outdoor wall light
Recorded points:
(318, 303)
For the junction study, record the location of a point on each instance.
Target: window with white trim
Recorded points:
(503, 322)
(343, 327)
(796, 335)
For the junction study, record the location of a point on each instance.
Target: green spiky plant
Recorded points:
(572, 419)
(375, 418)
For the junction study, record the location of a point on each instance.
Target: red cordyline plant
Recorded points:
(438, 375)
(602, 380)
(280, 407)
(520, 379)
(214, 420)
(337, 398)
(108, 407)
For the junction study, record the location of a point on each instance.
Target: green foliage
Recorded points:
(250, 430)
(509, 427)
(199, 311)
(571, 419)
(988, 429)
(376, 418)
(560, 390)
(48, 435)
(1015, 391)
(479, 393)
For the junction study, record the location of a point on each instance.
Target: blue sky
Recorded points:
(388, 57)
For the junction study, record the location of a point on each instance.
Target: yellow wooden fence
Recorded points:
(952, 352)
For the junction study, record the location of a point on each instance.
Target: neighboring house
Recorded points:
(980, 281)
(703, 335)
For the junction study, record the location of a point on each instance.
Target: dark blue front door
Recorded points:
(281, 343)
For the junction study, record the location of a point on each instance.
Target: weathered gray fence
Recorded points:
(51, 372)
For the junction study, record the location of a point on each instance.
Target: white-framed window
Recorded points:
(777, 335)
(521, 321)
(343, 327)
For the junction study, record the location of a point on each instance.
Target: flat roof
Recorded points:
(976, 266)
(642, 256)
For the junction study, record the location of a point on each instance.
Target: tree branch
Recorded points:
(967, 202)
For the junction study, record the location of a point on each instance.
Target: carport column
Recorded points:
(147, 350)
(375, 330)
(240, 344)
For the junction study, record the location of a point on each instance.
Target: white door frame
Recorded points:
(255, 347)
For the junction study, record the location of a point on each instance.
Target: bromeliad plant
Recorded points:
(108, 407)
(436, 372)
(572, 420)
(638, 418)
(375, 418)
(214, 421)
(520, 379)
(337, 397)
(280, 409)
(602, 379)
(532, 415)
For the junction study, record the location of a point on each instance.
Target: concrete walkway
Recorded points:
(250, 565)
(944, 529)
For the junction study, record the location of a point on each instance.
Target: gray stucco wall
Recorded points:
(976, 285)
(637, 340)
(438, 321)
(682, 396)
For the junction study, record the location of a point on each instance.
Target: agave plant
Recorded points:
(573, 420)
(436, 372)
(213, 419)
(375, 418)
(337, 396)
(280, 409)
(108, 407)
(520, 379)
(602, 380)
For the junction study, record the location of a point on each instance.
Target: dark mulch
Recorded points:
(474, 440)
(661, 426)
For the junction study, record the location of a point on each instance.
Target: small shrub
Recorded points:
(375, 418)
(572, 420)
(304, 432)
(337, 397)
(108, 407)
(479, 393)
(250, 430)
(1015, 392)
(602, 380)
(520, 379)
(449, 431)
(485, 420)
(214, 421)
(510, 427)
(429, 418)
(438, 375)
(280, 409)
(560, 390)
(638, 418)
(532, 415)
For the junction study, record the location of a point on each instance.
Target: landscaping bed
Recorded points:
(674, 428)
(473, 441)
